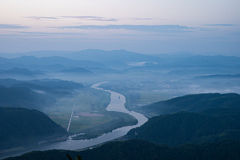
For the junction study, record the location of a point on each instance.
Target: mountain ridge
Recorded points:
(20, 127)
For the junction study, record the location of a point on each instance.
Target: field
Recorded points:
(86, 101)
(90, 115)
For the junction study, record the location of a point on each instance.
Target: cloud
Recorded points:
(145, 28)
(42, 34)
(207, 29)
(220, 25)
(92, 18)
(215, 38)
(141, 19)
(145, 19)
(12, 26)
(49, 33)
(39, 18)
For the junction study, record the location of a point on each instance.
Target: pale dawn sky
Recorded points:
(144, 26)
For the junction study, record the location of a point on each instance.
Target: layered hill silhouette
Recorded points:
(193, 103)
(78, 71)
(196, 119)
(185, 127)
(143, 150)
(219, 76)
(20, 127)
(20, 72)
(23, 97)
(34, 94)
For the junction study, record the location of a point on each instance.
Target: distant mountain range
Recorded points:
(209, 60)
(78, 71)
(20, 127)
(20, 72)
(96, 55)
(180, 64)
(49, 61)
(186, 58)
(219, 76)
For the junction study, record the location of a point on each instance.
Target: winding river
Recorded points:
(116, 104)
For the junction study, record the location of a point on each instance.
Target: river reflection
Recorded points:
(117, 104)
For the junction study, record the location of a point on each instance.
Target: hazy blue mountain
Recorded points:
(210, 60)
(104, 70)
(57, 84)
(48, 91)
(182, 70)
(194, 103)
(24, 97)
(121, 55)
(78, 71)
(56, 60)
(116, 64)
(32, 67)
(20, 127)
(8, 82)
(219, 76)
(39, 54)
(115, 57)
(3, 60)
(186, 58)
(204, 71)
(174, 57)
(43, 83)
(99, 55)
(34, 94)
(20, 72)
(143, 150)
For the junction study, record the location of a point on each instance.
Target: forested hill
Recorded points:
(23, 97)
(210, 118)
(187, 127)
(193, 103)
(34, 94)
(20, 127)
(143, 150)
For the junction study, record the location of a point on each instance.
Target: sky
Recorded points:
(143, 26)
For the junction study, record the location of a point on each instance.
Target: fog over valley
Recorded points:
(77, 93)
(118, 80)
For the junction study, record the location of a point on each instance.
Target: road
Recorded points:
(70, 120)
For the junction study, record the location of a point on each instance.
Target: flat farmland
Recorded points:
(89, 110)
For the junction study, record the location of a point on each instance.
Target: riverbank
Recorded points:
(118, 120)
(116, 105)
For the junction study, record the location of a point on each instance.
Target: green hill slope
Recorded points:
(20, 127)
